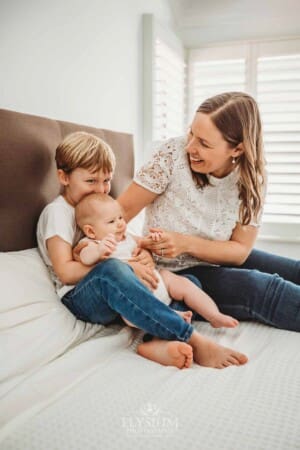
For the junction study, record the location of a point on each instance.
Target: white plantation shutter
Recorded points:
(214, 77)
(215, 70)
(163, 82)
(168, 91)
(278, 95)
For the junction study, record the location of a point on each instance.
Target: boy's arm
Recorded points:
(67, 270)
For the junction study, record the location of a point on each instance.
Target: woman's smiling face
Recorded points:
(208, 151)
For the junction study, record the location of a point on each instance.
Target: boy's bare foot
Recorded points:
(208, 353)
(222, 320)
(168, 353)
(186, 315)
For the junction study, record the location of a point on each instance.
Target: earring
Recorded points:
(233, 160)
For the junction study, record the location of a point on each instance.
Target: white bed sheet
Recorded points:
(107, 397)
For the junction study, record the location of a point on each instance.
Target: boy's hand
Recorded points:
(77, 249)
(145, 274)
(142, 256)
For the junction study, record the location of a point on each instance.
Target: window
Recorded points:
(270, 71)
(164, 83)
(168, 108)
(212, 71)
(278, 94)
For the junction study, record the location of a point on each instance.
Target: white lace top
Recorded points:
(211, 212)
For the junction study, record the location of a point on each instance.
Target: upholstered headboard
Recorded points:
(28, 174)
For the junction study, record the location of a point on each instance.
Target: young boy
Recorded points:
(85, 164)
(99, 294)
(100, 217)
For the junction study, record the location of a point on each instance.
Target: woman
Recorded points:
(205, 196)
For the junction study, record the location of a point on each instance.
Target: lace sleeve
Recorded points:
(156, 173)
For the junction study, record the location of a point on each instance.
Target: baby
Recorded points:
(101, 219)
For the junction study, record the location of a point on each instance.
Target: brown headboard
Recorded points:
(28, 174)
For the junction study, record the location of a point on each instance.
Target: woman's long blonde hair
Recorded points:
(237, 117)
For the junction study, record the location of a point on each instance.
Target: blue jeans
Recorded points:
(112, 288)
(265, 288)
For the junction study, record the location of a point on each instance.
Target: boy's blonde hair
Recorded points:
(88, 207)
(237, 117)
(86, 151)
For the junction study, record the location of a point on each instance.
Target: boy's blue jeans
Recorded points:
(269, 294)
(112, 288)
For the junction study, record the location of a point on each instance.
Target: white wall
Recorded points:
(291, 250)
(76, 60)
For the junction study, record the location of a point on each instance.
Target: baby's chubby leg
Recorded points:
(181, 288)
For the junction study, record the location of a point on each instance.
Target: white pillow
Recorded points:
(35, 327)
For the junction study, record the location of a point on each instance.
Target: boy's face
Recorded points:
(109, 220)
(81, 182)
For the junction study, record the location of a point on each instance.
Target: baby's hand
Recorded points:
(108, 245)
(155, 236)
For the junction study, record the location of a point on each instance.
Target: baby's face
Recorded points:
(110, 221)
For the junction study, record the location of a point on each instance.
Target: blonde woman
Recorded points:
(204, 194)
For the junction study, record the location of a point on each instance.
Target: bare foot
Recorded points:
(222, 320)
(168, 353)
(186, 315)
(208, 353)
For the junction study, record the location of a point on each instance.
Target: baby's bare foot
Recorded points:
(186, 315)
(222, 320)
(208, 353)
(168, 353)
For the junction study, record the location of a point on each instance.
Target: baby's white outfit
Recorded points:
(124, 252)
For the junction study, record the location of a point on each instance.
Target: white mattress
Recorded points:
(101, 395)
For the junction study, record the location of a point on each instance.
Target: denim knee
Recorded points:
(112, 266)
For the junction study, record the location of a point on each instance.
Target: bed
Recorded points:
(66, 384)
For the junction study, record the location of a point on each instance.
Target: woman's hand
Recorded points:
(145, 274)
(167, 244)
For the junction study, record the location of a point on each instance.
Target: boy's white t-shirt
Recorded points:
(57, 219)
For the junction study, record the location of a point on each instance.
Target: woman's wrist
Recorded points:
(192, 244)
